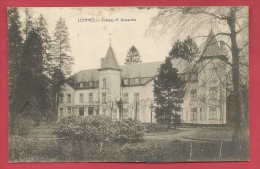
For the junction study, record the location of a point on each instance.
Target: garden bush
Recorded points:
(98, 129)
(23, 125)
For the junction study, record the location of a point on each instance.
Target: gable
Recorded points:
(66, 87)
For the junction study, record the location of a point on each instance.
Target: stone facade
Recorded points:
(96, 91)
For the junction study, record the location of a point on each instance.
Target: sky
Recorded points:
(90, 40)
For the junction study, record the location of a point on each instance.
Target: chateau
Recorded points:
(97, 91)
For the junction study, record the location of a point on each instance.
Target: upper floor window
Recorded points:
(136, 97)
(104, 83)
(193, 95)
(104, 97)
(212, 93)
(126, 100)
(212, 113)
(69, 98)
(61, 98)
(81, 97)
(91, 97)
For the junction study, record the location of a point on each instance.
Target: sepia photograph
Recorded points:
(128, 84)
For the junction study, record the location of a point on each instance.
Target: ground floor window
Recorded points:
(90, 110)
(193, 114)
(69, 110)
(212, 113)
(104, 111)
(114, 114)
(201, 113)
(181, 114)
(61, 112)
(126, 114)
(81, 111)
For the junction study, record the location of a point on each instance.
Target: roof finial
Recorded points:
(110, 39)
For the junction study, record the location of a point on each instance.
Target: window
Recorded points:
(125, 114)
(193, 115)
(104, 98)
(193, 95)
(91, 84)
(136, 97)
(90, 110)
(104, 83)
(132, 81)
(212, 113)
(126, 98)
(69, 110)
(181, 114)
(61, 112)
(193, 77)
(81, 111)
(61, 98)
(81, 98)
(69, 98)
(201, 114)
(104, 111)
(137, 80)
(114, 114)
(125, 81)
(81, 85)
(212, 93)
(90, 97)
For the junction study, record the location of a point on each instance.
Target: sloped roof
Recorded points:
(149, 69)
(83, 76)
(211, 47)
(140, 69)
(110, 60)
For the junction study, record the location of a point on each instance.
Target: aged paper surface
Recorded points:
(132, 84)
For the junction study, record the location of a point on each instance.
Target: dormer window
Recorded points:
(90, 84)
(126, 82)
(137, 80)
(81, 85)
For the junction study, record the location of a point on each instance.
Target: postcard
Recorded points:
(128, 84)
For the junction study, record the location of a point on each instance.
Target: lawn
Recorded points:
(183, 144)
(211, 134)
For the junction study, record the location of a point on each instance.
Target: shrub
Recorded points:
(23, 125)
(24, 149)
(98, 129)
(155, 127)
(129, 130)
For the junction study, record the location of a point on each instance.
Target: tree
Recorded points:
(234, 34)
(46, 43)
(29, 23)
(133, 56)
(14, 58)
(62, 61)
(168, 93)
(30, 85)
(187, 50)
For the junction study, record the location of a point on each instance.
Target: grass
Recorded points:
(169, 149)
(212, 134)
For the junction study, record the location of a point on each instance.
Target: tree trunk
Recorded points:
(241, 134)
(57, 104)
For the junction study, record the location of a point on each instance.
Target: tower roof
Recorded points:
(110, 60)
(211, 47)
